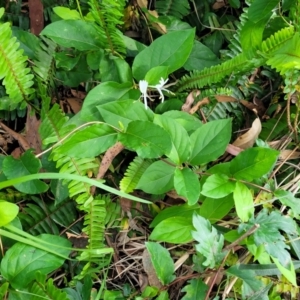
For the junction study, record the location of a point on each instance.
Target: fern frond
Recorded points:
(108, 15)
(40, 218)
(235, 47)
(133, 174)
(17, 77)
(276, 40)
(45, 62)
(52, 128)
(94, 223)
(214, 74)
(46, 290)
(176, 8)
(78, 166)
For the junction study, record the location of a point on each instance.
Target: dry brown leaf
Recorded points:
(289, 154)
(17, 136)
(149, 269)
(78, 94)
(161, 28)
(142, 3)
(190, 100)
(247, 139)
(233, 150)
(218, 4)
(32, 131)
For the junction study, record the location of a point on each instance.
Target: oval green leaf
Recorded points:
(170, 50)
(187, 185)
(210, 141)
(21, 261)
(78, 34)
(8, 211)
(147, 139)
(157, 179)
(161, 261)
(177, 230)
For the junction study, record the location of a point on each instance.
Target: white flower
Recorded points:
(143, 84)
(160, 88)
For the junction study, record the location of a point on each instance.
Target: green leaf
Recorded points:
(114, 68)
(28, 42)
(251, 36)
(175, 230)
(170, 50)
(104, 93)
(162, 262)
(180, 140)
(268, 234)
(215, 209)
(243, 201)
(210, 141)
(78, 34)
(157, 179)
(253, 163)
(200, 58)
(8, 211)
(163, 296)
(89, 142)
(27, 164)
(288, 273)
(183, 210)
(195, 290)
(234, 3)
(251, 284)
(66, 13)
(147, 139)
(260, 10)
(210, 242)
(154, 75)
(217, 186)
(21, 261)
(121, 113)
(288, 199)
(187, 185)
(187, 121)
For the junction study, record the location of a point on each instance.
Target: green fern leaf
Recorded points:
(17, 78)
(41, 218)
(214, 74)
(45, 62)
(133, 174)
(108, 15)
(276, 40)
(52, 128)
(287, 57)
(46, 290)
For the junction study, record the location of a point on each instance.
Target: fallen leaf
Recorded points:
(247, 139)
(289, 154)
(149, 269)
(161, 28)
(32, 131)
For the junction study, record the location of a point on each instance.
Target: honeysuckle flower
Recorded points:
(143, 85)
(160, 88)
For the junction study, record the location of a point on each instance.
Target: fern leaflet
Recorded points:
(133, 174)
(17, 78)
